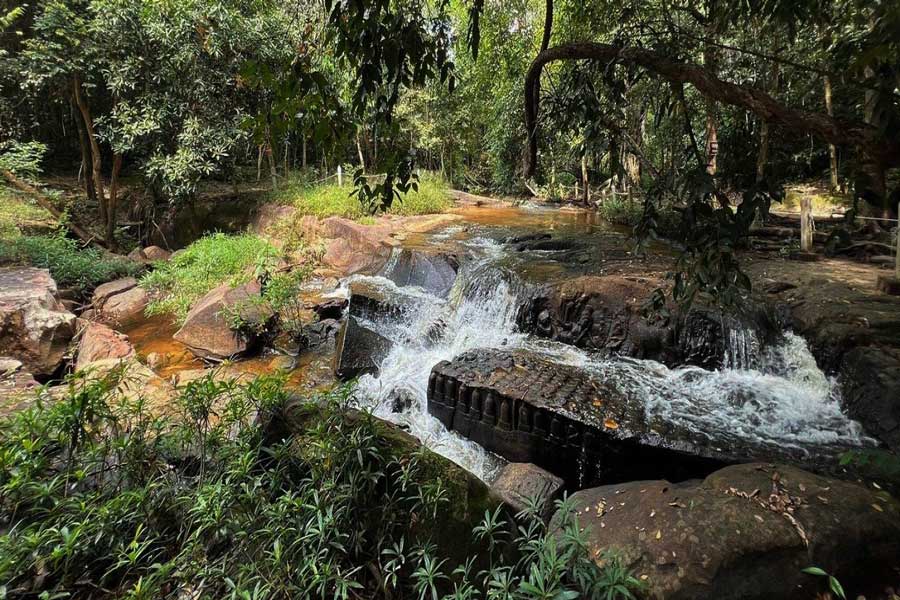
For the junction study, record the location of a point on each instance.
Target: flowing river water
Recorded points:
(775, 396)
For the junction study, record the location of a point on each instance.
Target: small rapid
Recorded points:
(774, 396)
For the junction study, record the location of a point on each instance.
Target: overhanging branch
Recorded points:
(839, 132)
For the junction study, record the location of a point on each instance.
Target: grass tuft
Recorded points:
(205, 264)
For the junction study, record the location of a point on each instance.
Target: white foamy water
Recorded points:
(778, 396)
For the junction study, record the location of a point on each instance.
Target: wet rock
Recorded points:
(402, 401)
(358, 350)
(871, 391)
(530, 237)
(333, 308)
(547, 245)
(519, 484)
(745, 532)
(581, 427)
(319, 333)
(608, 314)
(35, 328)
(434, 273)
(369, 301)
(207, 328)
(124, 307)
(283, 363)
(100, 342)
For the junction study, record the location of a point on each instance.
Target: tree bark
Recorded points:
(112, 209)
(710, 61)
(359, 152)
(96, 157)
(304, 153)
(832, 149)
(86, 164)
(867, 138)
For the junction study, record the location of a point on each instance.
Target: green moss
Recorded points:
(205, 264)
(335, 201)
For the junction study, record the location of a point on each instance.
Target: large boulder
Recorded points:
(100, 342)
(207, 329)
(352, 247)
(35, 328)
(135, 380)
(871, 390)
(745, 532)
(358, 350)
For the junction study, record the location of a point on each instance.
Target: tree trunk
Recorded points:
(96, 158)
(832, 149)
(710, 61)
(359, 152)
(113, 202)
(763, 157)
(270, 155)
(304, 153)
(85, 156)
(259, 159)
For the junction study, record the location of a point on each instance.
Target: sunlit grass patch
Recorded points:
(205, 264)
(330, 200)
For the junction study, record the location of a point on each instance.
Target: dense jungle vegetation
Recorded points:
(681, 119)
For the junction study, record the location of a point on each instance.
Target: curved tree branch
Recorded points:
(839, 132)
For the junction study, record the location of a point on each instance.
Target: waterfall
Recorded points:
(776, 396)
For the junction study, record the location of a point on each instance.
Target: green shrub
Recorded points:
(331, 200)
(71, 264)
(210, 261)
(100, 498)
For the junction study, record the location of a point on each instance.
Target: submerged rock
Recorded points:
(207, 328)
(358, 350)
(35, 327)
(745, 532)
(584, 427)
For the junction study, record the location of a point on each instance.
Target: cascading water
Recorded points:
(777, 396)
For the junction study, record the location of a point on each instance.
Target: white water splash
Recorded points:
(777, 396)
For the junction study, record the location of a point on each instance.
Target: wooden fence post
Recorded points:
(806, 225)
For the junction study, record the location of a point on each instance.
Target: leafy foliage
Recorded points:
(101, 497)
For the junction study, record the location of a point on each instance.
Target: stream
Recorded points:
(775, 396)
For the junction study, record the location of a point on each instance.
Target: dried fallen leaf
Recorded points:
(659, 534)
(758, 518)
(610, 424)
(597, 402)
(877, 507)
